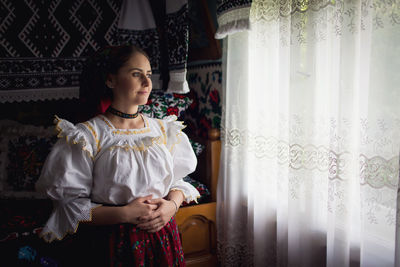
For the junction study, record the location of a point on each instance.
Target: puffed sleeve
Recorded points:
(184, 159)
(66, 178)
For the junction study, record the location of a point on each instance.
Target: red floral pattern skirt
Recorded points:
(130, 246)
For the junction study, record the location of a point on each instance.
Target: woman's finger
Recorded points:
(142, 199)
(157, 201)
(150, 217)
(153, 206)
(148, 223)
(156, 229)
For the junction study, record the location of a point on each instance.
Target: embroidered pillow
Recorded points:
(23, 150)
(197, 147)
(162, 104)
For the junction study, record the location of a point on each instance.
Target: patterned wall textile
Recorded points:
(44, 43)
(205, 82)
(147, 39)
(177, 37)
(232, 16)
(177, 33)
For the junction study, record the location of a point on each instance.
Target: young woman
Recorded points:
(120, 168)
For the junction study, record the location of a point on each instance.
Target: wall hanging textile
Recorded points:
(204, 78)
(44, 44)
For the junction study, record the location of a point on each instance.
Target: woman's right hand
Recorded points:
(138, 208)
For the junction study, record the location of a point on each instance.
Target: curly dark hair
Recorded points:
(105, 61)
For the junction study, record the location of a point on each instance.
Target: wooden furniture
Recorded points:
(197, 223)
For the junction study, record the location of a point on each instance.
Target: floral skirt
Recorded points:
(130, 246)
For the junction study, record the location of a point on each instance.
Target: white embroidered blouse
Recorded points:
(94, 163)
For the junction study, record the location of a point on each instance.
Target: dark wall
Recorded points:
(41, 112)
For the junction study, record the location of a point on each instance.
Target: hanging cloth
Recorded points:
(177, 33)
(161, 29)
(232, 16)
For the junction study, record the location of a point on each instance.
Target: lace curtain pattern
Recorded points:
(311, 136)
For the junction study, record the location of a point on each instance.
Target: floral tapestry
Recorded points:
(205, 81)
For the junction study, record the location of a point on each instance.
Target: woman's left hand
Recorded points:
(160, 217)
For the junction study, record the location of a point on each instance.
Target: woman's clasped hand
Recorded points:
(156, 215)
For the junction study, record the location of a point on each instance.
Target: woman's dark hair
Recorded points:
(92, 82)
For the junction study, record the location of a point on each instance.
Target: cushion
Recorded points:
(162, 104)
(197, 147)
(23, 151)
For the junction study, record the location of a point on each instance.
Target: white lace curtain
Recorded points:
(311, 136)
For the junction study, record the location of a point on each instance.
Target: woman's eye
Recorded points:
(148, 76)
(136, 74)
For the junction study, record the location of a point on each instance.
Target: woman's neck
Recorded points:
(128, 109)
(127, 120)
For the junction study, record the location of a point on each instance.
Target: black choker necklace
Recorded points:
(121, 114)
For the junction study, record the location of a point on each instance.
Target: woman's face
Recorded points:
(132, 83)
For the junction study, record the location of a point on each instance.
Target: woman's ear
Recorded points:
(110, 81)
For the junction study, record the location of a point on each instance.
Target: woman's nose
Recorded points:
(145, 80)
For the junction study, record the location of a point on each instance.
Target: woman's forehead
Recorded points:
(138, 60)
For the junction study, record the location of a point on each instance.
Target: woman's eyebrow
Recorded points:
(131, 69)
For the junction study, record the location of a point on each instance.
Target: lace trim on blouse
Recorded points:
(188, 199)
(68, 131)
(178, 124)
(146, 129)
(142, 146)
(87, 124)
(49, 235)
(173, 126)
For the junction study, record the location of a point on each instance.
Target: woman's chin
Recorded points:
(143, 101)
(138, 99)
(142, 97)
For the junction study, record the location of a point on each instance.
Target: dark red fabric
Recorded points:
(130, 246)
(104, 104)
